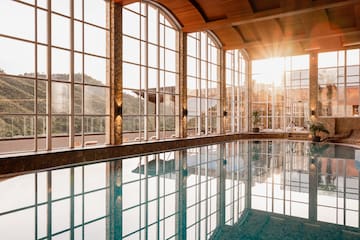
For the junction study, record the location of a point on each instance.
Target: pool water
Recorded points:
(236, 190)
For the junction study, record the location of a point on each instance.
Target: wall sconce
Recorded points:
(118, 110)
(185, 112)
(225, 113)
(312, 164)
(313, 112)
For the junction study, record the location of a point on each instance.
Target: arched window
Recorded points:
(150, 73)
(236, 91)
(53, 74)
(203, 84)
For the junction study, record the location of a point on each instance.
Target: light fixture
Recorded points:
(312, 49)
(312, 164)
(118, 110)
(313, 112)
(185, 112)
(225, 113)
(349, 44)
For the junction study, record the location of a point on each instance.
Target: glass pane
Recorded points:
(170, 38)
(95, 100)
(61, 6)
(42, 62)
(78, 93)
(78, 36)
(17, 57)
(78, 68)
(60, 64)
(22, 27)
(131, 76)
(60, 33)
(95, 12)
(42, 96)
(131, 50)
(16, 95)
(152, 24)
(95, 40)
(132, 23)
(78, 9)
(94, 125)
(170, 60)
(60, 98)
(42, 26)
(60, 127)
(130, 103)
(95, 70)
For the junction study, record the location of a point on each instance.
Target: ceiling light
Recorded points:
(351, 44)
(312, 49)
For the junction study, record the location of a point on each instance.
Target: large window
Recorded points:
(203, 85)
(280, 92)
(236, 92)
(297, 91)
(53, 74)
(338, 79)
(268, 95)
(150, 74)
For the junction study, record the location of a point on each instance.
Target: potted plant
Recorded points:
(316, 128)
(256, 120)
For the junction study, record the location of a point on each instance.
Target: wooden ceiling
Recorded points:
(269, 28)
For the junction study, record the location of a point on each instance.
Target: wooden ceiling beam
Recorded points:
(265, 15)
(334, 34)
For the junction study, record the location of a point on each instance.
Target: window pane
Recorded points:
(78, 9)
(42, 62)
(17, 57)
(78, 92)
(12, 24)
(16, 95)
(60, 98)
(60, 33)
(60, 64)
(60, 127)
(78, 67)
(95, 12)
(131, 50)
(130, 103)
(132, 23)
(95, 100)
(42, 26)
(78, 36)
(16, 126)
(94, 125)
(131, 76)
(42, 96)
(95, 40)
(153, 25)
(95, 70)
(61, 6)
(170, 38)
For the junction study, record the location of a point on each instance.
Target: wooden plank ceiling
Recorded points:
(269, 28)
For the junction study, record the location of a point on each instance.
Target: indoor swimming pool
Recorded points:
(273, 189)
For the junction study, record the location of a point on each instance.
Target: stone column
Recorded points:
(313, 85)
(115, 73)
(181, 127)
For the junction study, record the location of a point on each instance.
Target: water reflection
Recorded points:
(187, 194)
